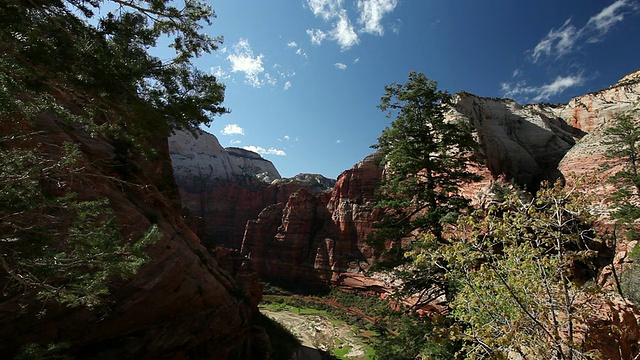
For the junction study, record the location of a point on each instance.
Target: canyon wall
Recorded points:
(222, 188)
(181, 304)
(302, 236)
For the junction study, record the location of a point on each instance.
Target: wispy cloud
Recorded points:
(340, 66)
(262, 151)
(543, 92)
(235, 142)
(292, 44)
(372, 12)
(232, 129)
(561, 43)
(219, 73)
(302, 53)
(287, 85)
(611, 15)
(557, 42)
(342, 31)
(326, 9)
(316, 36)
(243, 60)
(568, 38)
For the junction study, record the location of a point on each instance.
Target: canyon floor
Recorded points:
(316, 330)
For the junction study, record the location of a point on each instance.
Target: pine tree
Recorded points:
(427, 160)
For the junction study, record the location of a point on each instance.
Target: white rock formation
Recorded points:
(200, 163)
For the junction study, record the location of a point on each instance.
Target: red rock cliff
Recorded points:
(317, 239)
(182, 304)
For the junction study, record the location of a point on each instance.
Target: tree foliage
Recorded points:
(88, 64)
(427, 159)
(623, 144)
(515, 268)
(58, 56)
(51, 242)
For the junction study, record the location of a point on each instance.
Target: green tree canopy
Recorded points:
(87, 64)
(515, 269)
(623, 144)
(427, 159)
(90, 61)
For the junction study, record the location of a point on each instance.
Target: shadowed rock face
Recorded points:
(182, 304)
(317, 239)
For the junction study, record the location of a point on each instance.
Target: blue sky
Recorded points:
(304, 77)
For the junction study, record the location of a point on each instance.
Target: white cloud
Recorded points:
(609, 16)
(235, 142)
(232, 129)
(326, 9)
(302, 53)
(286, 137)
(317, 36)
(292, 44)
(219, 73)
(568, 38)
(356, 60)
(338, 141)
(262, 151)
(344, 32)
(371, 14)
(558, 42)
(243, 60)
(340, 66)
(287, 85)
(543, 92)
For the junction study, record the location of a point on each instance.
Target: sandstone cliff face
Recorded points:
(201, 163)
(593, 113)
(181, 304)
(222, 188)
(299, 235)
(522, 143)
(317, 239)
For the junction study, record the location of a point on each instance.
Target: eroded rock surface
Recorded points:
(182, 304)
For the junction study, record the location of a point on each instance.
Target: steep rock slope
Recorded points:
(593, 113)
(224, 188)
(181, 304)
(522, 143)
(318, 239)
(201, 163)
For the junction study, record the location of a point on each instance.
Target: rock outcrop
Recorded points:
(222, 188)
(181, 304)
(317, 239)
(522, 143)
(201, 163)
